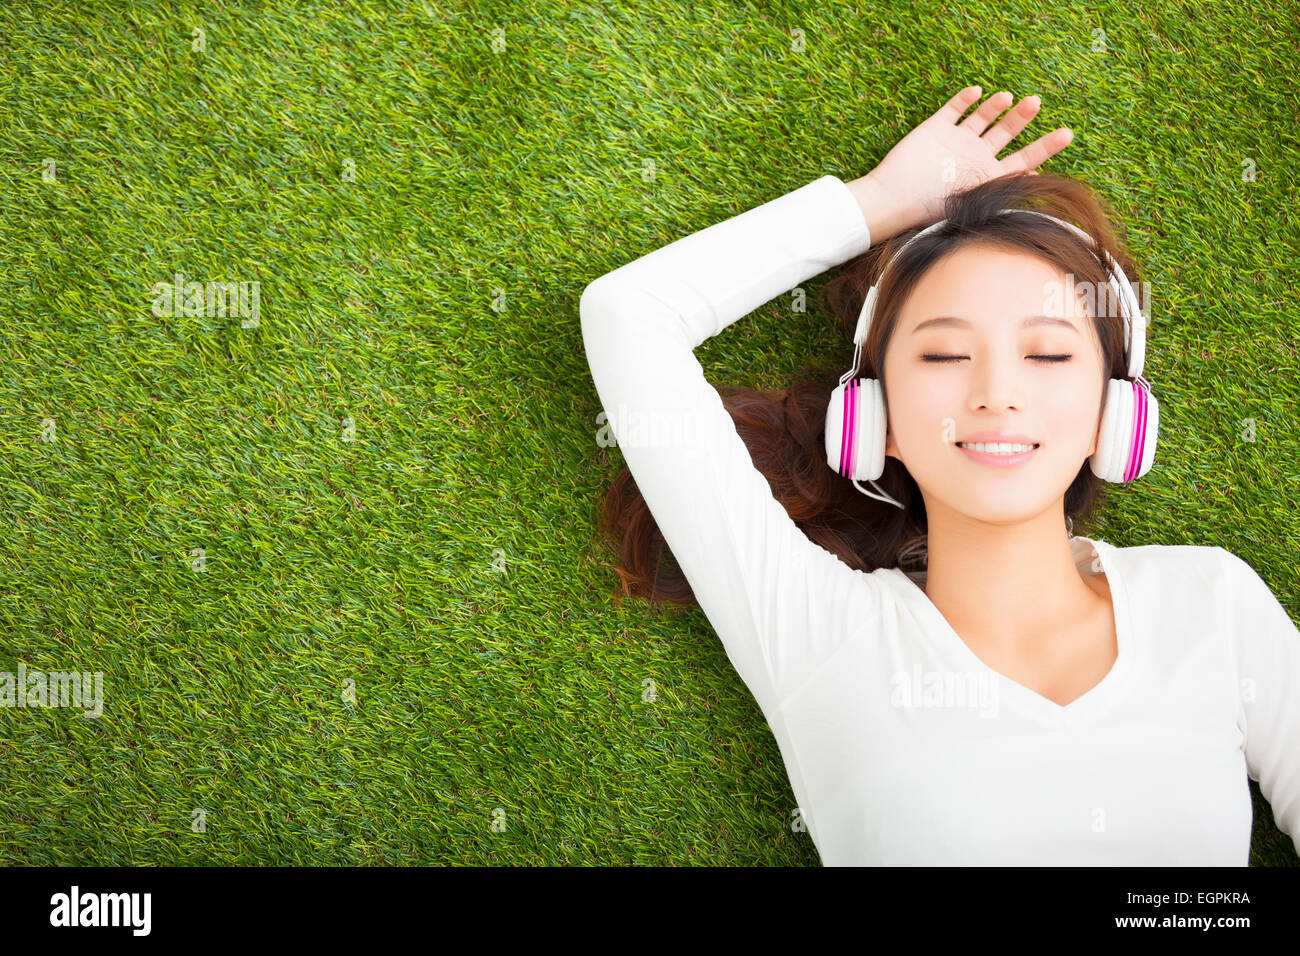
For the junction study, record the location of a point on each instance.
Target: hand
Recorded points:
(942, 156)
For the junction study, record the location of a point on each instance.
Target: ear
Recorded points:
(891, 449)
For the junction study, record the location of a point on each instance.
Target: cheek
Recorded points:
(923, 407)
(1071, 404)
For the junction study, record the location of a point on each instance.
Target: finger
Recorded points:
(951, 111)
(979, 121)
(1039, 151)
(1011, 125)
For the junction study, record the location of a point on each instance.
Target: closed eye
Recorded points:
(932, 357)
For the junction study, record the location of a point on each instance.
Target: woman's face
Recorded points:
(994, 385)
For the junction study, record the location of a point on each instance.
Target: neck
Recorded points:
(1007, 585)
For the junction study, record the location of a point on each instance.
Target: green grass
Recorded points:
(444, 560)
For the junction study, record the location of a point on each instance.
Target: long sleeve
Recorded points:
(1268, 657)
(781, 605)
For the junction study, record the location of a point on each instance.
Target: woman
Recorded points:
(1027, 696)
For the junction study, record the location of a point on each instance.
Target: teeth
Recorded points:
(996, 448)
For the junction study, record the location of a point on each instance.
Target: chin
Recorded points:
(1004, 506)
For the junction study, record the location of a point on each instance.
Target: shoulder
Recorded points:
(1242, 578)
(1172, 559)
(1191, 573)
(1179, 579)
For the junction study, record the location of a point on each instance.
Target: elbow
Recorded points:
(598, 301)
(595, 305)
(615, 309)
(599, 308)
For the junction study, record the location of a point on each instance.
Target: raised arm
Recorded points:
(779, 603)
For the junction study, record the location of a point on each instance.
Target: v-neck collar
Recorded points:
(1026, 700)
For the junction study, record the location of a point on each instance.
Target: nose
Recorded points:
(996, 381)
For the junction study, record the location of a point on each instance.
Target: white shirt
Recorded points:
(859, 674)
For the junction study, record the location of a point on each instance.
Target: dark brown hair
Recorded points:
(784, 430)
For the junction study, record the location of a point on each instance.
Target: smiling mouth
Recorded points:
(1017, 448)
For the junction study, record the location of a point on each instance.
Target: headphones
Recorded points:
(1130, 420)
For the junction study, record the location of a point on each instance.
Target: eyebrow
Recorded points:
(955, 322)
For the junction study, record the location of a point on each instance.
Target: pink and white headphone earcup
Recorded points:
(862, 454)
(1130, 428)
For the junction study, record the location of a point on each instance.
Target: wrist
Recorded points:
(886, 215)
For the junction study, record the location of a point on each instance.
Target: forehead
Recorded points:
(993, 287)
